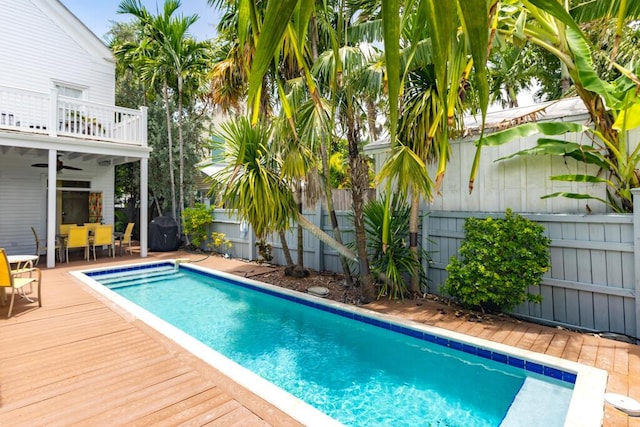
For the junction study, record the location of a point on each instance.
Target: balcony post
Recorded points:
(53, 113)
(143, 125)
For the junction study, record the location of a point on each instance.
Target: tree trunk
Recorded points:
(325, 238)
(285, 248)
(298, 270)
(360, 175)
(300, 262)
(359, 170)
(413, 239)
(181, 159)
(328, 194)
(372, 114)
(165, 87)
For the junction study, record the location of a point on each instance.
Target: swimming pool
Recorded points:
(467, 381)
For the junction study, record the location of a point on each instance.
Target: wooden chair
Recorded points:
(78, 238)
(42, 246)
(17, 280)
(103, 236)
(126, 238)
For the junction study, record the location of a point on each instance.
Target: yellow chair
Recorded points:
(42, 246)
(78, 238)
(16, 281)
(126, 237)
(91, 226)
(64, 229)
(103, 236)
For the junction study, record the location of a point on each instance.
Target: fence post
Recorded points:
(636, 253)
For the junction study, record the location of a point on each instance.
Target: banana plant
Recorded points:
(612, 163)
(612, 106)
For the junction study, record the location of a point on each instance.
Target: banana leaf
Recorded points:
(528, 129)
(554, 147)
(577, 196)
(581, 178)
(586, 71)
(629, 118)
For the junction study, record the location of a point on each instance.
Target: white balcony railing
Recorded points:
(55, 115)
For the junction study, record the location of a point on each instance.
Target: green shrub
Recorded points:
(195, 221)
(499, 259)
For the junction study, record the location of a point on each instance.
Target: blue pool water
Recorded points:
(357, 372)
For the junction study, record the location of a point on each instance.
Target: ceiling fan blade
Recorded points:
(73, 168)
(40, 165)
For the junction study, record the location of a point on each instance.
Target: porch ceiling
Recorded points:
(103, 153)
(41, 156)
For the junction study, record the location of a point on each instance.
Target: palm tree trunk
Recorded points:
(359, 173)
(413, 239)
(372, 113)
(298, 269)
(328, 194)
(325, 238)
(300, 263)
(285, 248)
(165, 87)
(359, 184)
(181, 155)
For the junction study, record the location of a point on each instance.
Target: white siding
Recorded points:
(22, 204)
(40, 43)
(23, 198)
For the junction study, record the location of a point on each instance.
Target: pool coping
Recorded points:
(587, 402)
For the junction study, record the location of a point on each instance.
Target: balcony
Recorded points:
(55, 115)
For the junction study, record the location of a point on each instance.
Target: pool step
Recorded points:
(143, 280)
(136, 275)
(538, 403)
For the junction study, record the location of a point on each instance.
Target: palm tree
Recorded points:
(169, 53)
(253, 181)
(443, 21)
(148, 56)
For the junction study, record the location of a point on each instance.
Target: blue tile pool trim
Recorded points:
(128, 268)
(513, 361)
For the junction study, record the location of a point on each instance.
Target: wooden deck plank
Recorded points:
(238, 417)
(173, 408)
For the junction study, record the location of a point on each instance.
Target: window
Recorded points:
(70, 91)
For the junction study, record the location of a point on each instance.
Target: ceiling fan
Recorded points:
(60, 166)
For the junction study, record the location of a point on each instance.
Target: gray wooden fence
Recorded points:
(591, 285)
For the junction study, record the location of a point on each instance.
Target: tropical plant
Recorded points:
(612, 106)
(195, 221)
(165, 53)
(253, 185)
(499, 260)
(609, 158)
(393, 266)
(145, 55)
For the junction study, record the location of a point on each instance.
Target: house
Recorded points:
(59, 123)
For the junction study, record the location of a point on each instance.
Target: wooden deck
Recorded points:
(78, 361)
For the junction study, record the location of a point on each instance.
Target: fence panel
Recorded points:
(591, 283)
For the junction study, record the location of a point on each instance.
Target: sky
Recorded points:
(99, 14)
